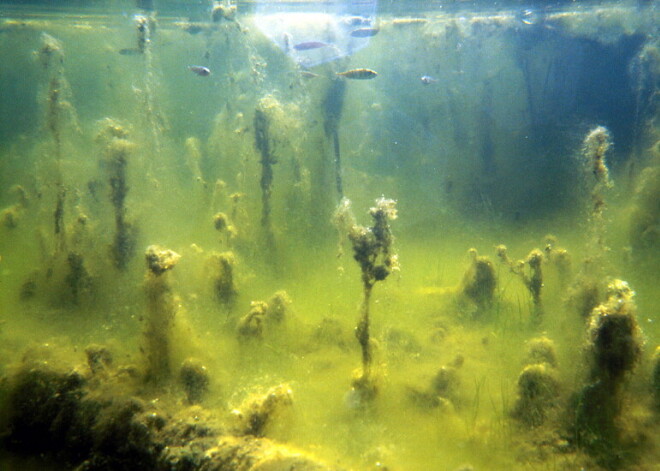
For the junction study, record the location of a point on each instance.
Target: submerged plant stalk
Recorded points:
(51, 57)
(373, 250)
(263, 145)
(161, 309)
(333, 106)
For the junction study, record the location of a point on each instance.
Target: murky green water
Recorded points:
(229, 138)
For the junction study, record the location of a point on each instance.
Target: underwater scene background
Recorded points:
(334, 235)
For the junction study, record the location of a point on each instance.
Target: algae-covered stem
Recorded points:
(51, 57)
(614, 347)
(333, 105)
(594, 150)
(161, 309)
(263, 145)
(116, 147)
(373, 250)
(145, 28)
(533, 282)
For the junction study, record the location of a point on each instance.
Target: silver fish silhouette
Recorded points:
(200, 70)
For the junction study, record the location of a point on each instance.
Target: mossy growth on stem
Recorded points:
(116, 150)
(644, 229)
(538, 386)
(194, 378)
(655, 380)
(480, 281)
(373, 250)
(538, 390)
(78, 280)
(560, 258)
(614, 348)
(262, 140)
(594, 150)
(224, 227)
(161, 309)
(224, 283)
(58, 112)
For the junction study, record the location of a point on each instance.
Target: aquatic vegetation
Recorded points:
(59, 111)
(161, 309)
(224, 227)
(560, 258)
(333, 105)
(258, 410)
(251, 325)
(533, 280)
(644, 234)
(193, 154)
(373, 251)
(9, 217)
(655, 379)
(541, 350)
(263, 315)
(223, 279)
(78, 279)
(194, 379)
(271, 120)
(614, 349)
(106, 424)
(594, 150)
(116, 148)
(278, 306)
(537, 392)
(480, 281)
(233, 145)
(99, 360)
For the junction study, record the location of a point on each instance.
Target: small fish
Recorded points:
(358, 74)
(364, 32)
(409, 21)
(308, 45)
(356, 21)
(308, 75)
(130, 51)
(428, 80)
(200, 70)
(193, 28)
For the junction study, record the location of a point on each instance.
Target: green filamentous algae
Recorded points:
(222, 249)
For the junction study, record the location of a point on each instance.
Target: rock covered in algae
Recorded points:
(53, 411)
